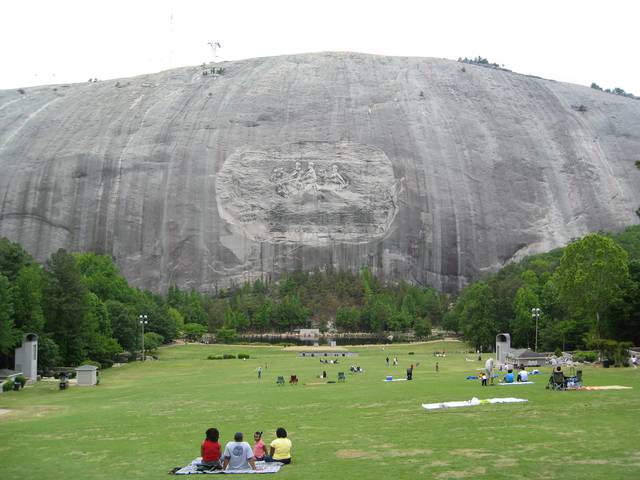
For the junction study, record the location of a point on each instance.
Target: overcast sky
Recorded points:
(577, 41)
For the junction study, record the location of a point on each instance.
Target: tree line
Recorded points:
(588, 293)
(84, 310)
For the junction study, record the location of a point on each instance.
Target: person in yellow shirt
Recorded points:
(280, 448)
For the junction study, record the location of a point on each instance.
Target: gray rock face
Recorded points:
(411, 166)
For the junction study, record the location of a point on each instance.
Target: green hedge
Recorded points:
(585, 356)
(228, 356)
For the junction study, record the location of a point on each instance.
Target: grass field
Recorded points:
(144, 419)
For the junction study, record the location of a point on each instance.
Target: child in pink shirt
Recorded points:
(259, 450)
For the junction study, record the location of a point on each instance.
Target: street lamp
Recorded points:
(535, 315)
(144, 320)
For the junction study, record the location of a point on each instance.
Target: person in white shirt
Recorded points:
(523, 376)
(238, 455)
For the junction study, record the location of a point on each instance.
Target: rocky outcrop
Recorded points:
(416, 167)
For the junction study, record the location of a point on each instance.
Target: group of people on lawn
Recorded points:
(238, 454)
(510, 377)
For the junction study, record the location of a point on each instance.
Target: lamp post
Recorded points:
(535, 314)
(144, 320)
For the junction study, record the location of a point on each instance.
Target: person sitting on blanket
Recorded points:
(280, 448)
(508, 378)
(259, 450)
(523, 375)
(238, 455)
(210, 449)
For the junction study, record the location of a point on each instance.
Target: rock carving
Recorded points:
(313, 199)
(296, 183)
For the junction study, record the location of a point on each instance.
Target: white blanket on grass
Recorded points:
(516, 383)
(261, 467)
(471, 403)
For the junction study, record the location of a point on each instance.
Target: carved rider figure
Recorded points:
(336, 177)
(309, 179)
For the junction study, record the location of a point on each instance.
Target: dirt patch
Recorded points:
(505, 462)
(471, 453)
(302, 348)
(390, 453)
(593, 461)
(409, 453)
(370, 405)
(405, 344)
(462, 473)
(4, 411)
(38, 410)
(356, 454)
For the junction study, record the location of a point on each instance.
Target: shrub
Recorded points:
(227, 356)
(243, 356)
(124, 357)
(152, 341)
(48, 354)
(214, 357)
(585, 356)
(7, 385)
(21, 379)
(193, 331)
(92, 362)
(412, 353)
(226, 335)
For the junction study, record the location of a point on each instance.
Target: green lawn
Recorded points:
(144, 419)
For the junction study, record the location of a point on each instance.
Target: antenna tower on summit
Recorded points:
(214, 48)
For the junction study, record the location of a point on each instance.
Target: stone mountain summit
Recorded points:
(417, 167)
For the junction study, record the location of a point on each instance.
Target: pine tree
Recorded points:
(66, 307)
(7, 330)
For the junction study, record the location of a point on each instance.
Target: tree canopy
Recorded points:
(591, 275)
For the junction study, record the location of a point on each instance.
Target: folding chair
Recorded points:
(341, 377)
(293, 380)
(557, 381)
(280, 380)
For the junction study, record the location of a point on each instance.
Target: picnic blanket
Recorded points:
(394, 380)
(517, 383)
(602, 387)
(471, 403)
(261, 467)
(474, 377)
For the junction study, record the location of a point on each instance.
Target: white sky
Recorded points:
(577, 41)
